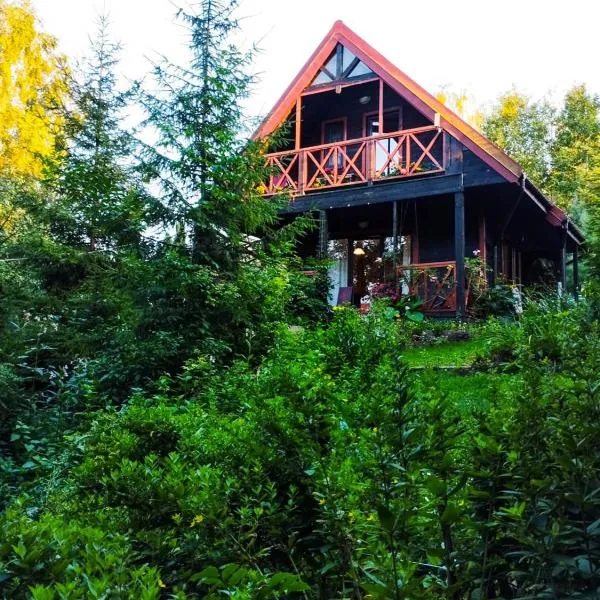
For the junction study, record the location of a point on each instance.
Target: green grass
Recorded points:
(472, 393)
(455, 354)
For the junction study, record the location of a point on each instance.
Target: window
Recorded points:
(333, 131)
(391, 122)
(341, 65)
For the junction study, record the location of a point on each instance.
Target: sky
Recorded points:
(481, 47)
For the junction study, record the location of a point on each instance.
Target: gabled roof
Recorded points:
(400, 83)
(416, 95)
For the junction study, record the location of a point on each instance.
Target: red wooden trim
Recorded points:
(380, 114)
(298, 122)
(443, 296)
(330, 87)
(414, 131)
(350, 162)
(482, 237)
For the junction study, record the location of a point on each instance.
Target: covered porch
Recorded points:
(429, 247)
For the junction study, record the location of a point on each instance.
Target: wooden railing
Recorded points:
(434, 283)
(400, 154)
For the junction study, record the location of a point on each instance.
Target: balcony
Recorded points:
(367, 160)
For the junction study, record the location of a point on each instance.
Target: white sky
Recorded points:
(483, 47)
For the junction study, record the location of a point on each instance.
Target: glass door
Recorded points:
(367, 267)
(383, 148)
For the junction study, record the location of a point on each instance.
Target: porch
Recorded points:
(399, 247)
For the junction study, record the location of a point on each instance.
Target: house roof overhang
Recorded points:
(422, 100)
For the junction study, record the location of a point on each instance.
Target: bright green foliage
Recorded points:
(86, 562)
(523, 129)
(319, 464)
(576, 149)
(445, 354)
(558, 149)
(184, 418)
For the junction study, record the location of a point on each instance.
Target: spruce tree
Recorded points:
(104, 205)
(208, 173)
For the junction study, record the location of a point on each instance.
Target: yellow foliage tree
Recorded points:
(462, 104)
(33, 85)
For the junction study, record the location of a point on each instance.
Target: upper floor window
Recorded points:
(341, 65)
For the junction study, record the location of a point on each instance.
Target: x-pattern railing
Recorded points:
(392, 155)
(433, 283)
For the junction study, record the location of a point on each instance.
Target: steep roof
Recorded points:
(420, 98)
(399, 82)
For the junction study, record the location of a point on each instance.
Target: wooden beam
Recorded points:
(415, 252)
(339, 49)
(376, 194)
(298, 123)
(459, 251)
(350, 273)
(395, 241)
(323, 235)
(576, 272)
(495, 264)
(563, 262)
(329, 87)
(380, 116)
(453, 155)
(482, 236)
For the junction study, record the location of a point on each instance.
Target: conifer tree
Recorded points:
(104, 203)
(208, 172)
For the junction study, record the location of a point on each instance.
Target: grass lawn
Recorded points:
(455, 354)
(472, 393)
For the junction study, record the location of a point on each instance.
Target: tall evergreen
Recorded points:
(103, 202)
(207, 172)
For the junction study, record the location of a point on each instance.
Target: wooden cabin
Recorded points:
(405, 190)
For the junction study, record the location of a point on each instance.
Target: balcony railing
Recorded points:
(405, 153)
(433, 283)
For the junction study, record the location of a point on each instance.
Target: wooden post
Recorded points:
(563, 259)
(459, 251)
(301, 172)
(563, 268)
(298, 145)
(298, 123)
(576, 272)
(495, 264)
(323, 235)
(482, 237)
(395, 241)
(350, 281)
(380, 117)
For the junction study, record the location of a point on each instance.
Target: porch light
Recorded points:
(364, 99)
(358, 252)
